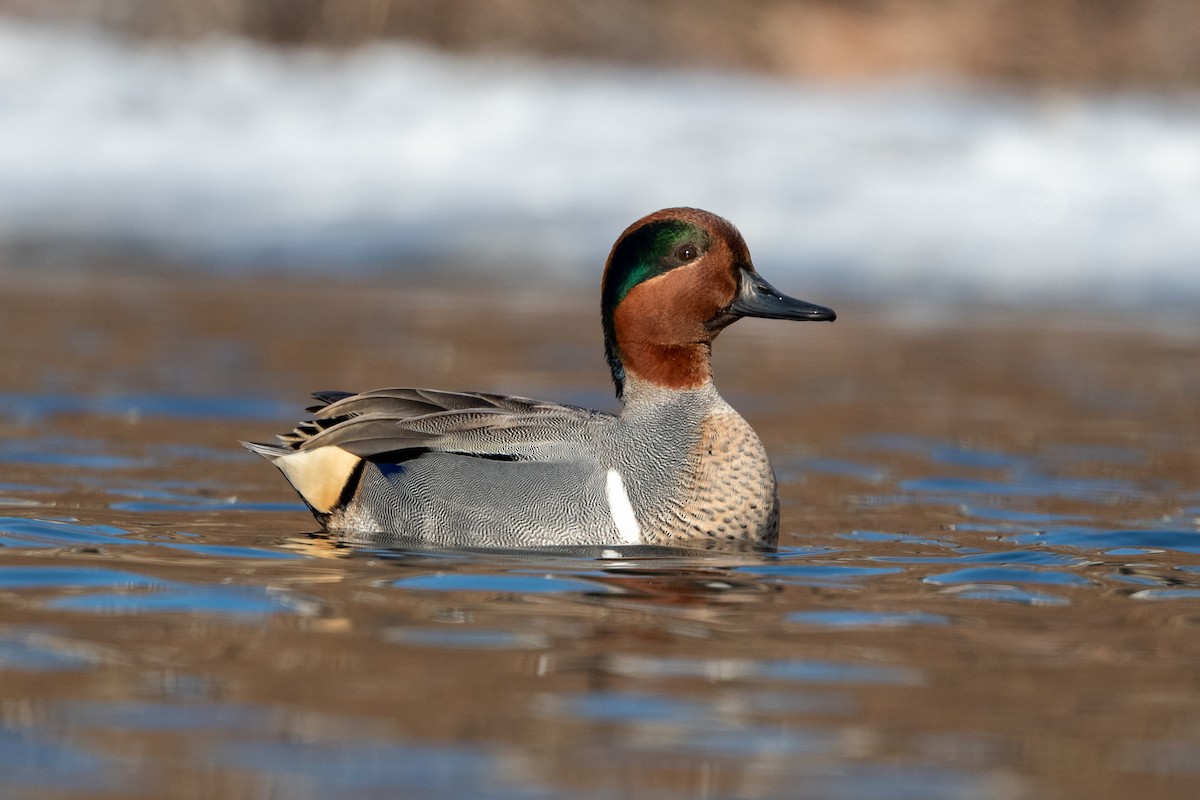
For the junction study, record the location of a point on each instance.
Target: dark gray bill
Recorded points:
(757, 298)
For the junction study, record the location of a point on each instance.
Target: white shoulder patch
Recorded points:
(319, 475)
(621, 509)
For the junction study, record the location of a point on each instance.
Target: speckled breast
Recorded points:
(729, 494)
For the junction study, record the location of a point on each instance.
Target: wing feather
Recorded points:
(417, 402)
(404, 420)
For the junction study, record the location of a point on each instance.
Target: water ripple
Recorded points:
(32, 649)
(329, 767)
(467, 638)
(1004, 594)
(506, 584)
(73, 578)
(227, 601)
(848, 618)
(1039, 558)
(1007, 575)
(744, 669)
(1093, 539)
(828, 575)
(1098, 490)
(145, 716)
(29, 760)
(21, 532)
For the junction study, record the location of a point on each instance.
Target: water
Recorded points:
(229, 154)
(988, 584)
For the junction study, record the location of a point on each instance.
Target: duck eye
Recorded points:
(686, 252)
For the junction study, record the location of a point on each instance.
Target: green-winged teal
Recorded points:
(677, 466)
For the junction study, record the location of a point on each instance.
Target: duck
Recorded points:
(676, 467)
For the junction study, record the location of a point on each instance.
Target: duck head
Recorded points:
(673, 281)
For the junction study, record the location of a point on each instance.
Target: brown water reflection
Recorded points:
(989, 585)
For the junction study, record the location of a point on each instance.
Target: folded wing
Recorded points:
(403, 422)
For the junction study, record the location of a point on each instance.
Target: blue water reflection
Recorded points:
(30, 761)
(1004, 593)
(150, 499)
(629, 707)
(1106, 540)
(1040, 558)
(229, 551)
(74, 577)
(1033, 486)
(1007, 575)
(144, 716)
(21, 532)
(227, 601)
(35, 407)
(905, 538)
(838, 618)
(369, 768)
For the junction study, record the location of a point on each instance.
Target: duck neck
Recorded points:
(635, 360)
(669, 367)
(641, 396)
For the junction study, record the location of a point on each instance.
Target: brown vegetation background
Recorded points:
(1097, 43)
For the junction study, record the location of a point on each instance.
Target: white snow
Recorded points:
(229, 155)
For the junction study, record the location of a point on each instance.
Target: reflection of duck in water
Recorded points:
(678, 466)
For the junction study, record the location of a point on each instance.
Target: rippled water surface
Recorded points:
(988, 584)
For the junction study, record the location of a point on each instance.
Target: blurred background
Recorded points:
(992, 150)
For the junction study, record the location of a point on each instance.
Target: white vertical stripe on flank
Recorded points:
(621, 509)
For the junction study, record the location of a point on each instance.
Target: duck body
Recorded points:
(673, 467)
(676, 467)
